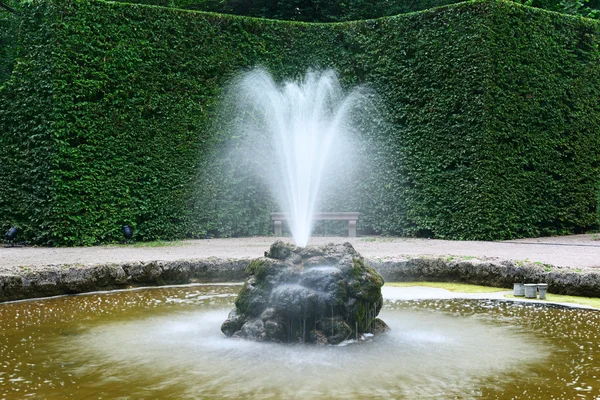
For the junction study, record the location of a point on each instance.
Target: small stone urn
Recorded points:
(531, 290)
(542, 288)
(519, 289)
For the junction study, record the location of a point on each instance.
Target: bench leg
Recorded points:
(352, 228)
(277, 225)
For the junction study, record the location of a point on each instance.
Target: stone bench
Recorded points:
(351, 217)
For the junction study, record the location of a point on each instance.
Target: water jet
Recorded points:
(304, 135)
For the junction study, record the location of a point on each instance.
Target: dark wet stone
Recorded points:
(336, 330)
(380, 327)
(275, 331)
(321, 294)
(317, 337)
(232, 324)
(280, 250)
(254, 329)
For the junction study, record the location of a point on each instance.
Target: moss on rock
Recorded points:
(321, 294)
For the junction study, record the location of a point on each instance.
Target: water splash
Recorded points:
(303, 127)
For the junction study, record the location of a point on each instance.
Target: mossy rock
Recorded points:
(327, 290)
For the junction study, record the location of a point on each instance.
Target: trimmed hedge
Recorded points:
(544, 104)
(350, 10)
(8, 39)
(529, 166)
(488, 128)
(583, 8)
(304, 10)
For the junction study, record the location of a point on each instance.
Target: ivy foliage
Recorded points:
(486, 125)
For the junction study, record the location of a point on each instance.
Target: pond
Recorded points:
(160, 343)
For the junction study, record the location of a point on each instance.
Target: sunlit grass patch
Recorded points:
(559, 298)
(451, 286)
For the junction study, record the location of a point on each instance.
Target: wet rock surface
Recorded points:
(321, 294)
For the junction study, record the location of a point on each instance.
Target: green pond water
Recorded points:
(165, 343)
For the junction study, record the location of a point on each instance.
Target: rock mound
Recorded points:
(321, 295)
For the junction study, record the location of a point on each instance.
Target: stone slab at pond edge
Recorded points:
(17, 283)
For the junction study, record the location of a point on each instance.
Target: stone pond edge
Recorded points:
(18, 283)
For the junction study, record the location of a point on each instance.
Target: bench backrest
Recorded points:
(320, 216)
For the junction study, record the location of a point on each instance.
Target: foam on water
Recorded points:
(424, 355)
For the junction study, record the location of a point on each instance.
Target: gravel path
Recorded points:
(579, 251)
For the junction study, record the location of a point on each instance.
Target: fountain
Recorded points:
(296, 294)
(301, 133)
(165, 342)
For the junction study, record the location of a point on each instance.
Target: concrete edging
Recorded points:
(51, 280)
(491, 272)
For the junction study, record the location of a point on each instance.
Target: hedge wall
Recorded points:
(303, 10)
(8, 39)
(531, 167)
(351, 10)
(544, 125)
(489, 120)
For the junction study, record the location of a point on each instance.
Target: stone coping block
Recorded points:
(17, 283)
